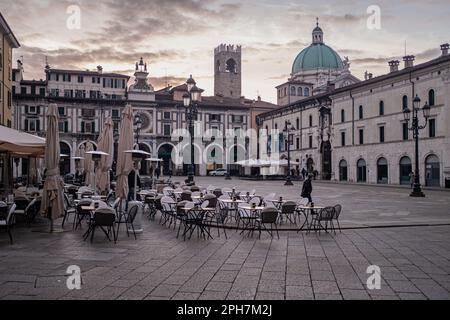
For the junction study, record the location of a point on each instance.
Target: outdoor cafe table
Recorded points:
(308, 211)
(234, 203)
(200, 225)
(254, 213)
(279, 203)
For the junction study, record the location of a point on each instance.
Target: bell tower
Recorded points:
(227, 71)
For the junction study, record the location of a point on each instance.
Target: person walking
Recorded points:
(412, 177)
(304, 173)
(307, 189)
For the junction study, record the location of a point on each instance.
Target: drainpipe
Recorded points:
(353, 118)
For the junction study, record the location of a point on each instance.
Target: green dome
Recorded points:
(317, 56)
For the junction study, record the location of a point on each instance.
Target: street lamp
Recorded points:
(415, 128)
(287, 131)
(190, 100)
(138, 127)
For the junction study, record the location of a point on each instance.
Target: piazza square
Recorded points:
(212, 154)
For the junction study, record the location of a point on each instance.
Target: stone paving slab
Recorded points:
(414, 262)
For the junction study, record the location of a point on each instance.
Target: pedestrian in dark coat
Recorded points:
(307, 188)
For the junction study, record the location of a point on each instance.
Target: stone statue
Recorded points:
(346, 63)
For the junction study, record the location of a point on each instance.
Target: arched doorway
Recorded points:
(235, 153)
(382, 171)
(405, 171)
(343, 171)
(326, 160)
(145, 165)
(432, 171)
(214, 157)
(64, 165)
(165, 153)
(187, 159)
(361, 171)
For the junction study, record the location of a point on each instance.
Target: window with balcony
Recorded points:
(88, 113)
(237, 119)
(115, 114)
(214, 117)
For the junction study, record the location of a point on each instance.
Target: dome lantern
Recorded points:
(317, 34)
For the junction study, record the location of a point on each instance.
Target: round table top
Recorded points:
(233, 201)
(253, 208)
(311, 208)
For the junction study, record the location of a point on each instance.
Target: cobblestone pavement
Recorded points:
(414, 261)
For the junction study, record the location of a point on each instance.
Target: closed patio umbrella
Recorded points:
(105, 144)
(89, 166)
(125, 160)
(52, 197)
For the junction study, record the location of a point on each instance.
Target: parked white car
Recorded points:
(218, 172)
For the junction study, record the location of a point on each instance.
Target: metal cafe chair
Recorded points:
(337, 213)
(104, 217)
(269, 216)
(9, 221)
(288, 210)
(128, 218)
(326, 215)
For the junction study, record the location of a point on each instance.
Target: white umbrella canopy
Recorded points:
(125, 160)
(106, 145)
(283, 163)
(54, 185)
(89, 165)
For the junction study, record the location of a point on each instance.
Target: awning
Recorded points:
(20, 143)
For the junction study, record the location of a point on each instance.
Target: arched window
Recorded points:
(381, 107)
(382, 171)
(361, 173)
(231, 66)
(405, 102)
(343, 171)
(298, 124)
(300, 91)
(310, 120)
(361, 112)
(342, 115)
(431, 98)
(405, 171)
(276, 126)
(293, 91)
(306, 92)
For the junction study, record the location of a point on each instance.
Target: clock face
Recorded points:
(147, 122)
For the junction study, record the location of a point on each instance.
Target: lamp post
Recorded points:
(138, 127)
(415, 128)
(287, 131)
(190, 100)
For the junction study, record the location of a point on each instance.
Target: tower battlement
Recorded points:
(228, 48)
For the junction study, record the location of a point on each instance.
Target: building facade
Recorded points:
(8, 42)
(358, 133)
(86, 98)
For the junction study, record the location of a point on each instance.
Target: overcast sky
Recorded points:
(178, 37)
